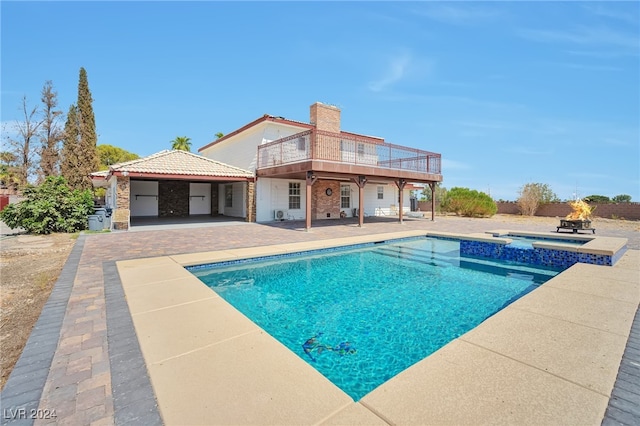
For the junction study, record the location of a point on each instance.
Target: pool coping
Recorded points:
(161, 288)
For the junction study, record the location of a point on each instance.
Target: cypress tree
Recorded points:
(70, 164)
(88, 139)
(80, 152)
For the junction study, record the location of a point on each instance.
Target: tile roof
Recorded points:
(102, 174)
(177, 162)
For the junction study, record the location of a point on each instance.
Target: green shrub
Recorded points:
(468, 202)
(600, 199)
(50, 207)
(622, 198)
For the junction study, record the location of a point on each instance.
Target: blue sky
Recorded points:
(508, 92)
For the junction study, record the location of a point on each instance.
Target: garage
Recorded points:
(175, 185)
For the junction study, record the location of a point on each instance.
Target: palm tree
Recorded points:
(182, 143)
(219, 135)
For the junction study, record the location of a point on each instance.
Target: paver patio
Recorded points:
(78, 379)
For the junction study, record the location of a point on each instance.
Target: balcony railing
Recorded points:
(344, 148)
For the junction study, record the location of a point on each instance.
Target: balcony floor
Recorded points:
(338, 170)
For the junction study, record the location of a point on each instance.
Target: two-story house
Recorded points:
(273, 169)
(317, 171)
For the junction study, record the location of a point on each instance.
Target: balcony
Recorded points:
(345, 154)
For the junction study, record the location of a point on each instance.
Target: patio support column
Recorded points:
(122, 213)
(400, 183)
(251, 202)
(311, 179)
(361, 181)
(432, 185)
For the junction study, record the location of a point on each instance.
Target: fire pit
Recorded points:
(578, 219)
(576, 225)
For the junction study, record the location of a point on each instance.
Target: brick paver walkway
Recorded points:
(78, 372)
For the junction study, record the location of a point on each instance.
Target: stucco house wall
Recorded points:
(238, 206)
(144, 198)
(242, 150)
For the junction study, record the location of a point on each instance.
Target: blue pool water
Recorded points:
(362, 316)
(527, 242)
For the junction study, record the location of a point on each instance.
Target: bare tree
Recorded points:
(22, 145)
(51, 135)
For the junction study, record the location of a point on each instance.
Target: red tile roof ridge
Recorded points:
(167, 155)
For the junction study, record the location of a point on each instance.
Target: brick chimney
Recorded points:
(325, 117)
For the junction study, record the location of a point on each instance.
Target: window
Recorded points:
(228, 195)
(302, 144)
(360, 149)
(345, 196)
(381, 193)
(294, 195)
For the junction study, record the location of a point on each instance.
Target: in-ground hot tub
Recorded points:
(545, 249)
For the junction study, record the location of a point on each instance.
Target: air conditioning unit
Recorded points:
(278, 214)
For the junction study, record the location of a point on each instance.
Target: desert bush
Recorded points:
(468, 202)
(622, 198)
(600, 199)
(532, 195)
(50, 207)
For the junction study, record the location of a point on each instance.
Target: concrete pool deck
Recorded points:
(93, 375)
(550, 356)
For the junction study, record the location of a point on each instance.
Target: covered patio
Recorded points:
(175, 186)
(151, 223)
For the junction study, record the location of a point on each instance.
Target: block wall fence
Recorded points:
(628, 211)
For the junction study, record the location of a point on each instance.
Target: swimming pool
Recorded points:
(362, 316)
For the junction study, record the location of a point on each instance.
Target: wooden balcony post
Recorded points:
(361, 181)
(311, 179)
(432, 185)
(400, 183)
(312, 142)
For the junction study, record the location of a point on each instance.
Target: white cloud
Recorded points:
(458, 15)
(608, 54)
(396, 71)
(585, 175)
(591, 67)
(524, 150)
(454, 165)
(628, 17)
(489, 125)
(617, 142)
(601, 36)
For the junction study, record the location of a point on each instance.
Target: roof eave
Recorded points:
(254, 123)
(181, 176)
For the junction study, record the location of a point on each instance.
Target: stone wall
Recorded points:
(629, 211)
(173, 198)
(122, 213)
(251, 202)
(425, 206)
(322, 205)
